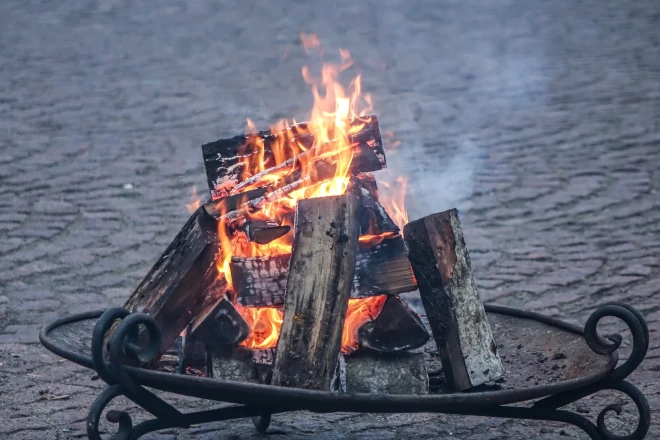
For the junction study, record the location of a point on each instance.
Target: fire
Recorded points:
(265, 322)
(392, 197)
(337, 114)
(195, 201)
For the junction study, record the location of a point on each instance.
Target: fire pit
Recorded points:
(564, 363)
(287, 291)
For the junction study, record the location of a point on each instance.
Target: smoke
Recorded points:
(439, 177)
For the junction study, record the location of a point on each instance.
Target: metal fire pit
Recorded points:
(547, 360)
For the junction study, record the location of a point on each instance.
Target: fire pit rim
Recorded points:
(248, 393)
(486, 403)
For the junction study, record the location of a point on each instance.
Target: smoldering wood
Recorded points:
(374, 219)
(264, 356)
(397, 328)
(224, 159)
(318, 289)
(219, 324)
(372, 373)
(175, 287)
(260, 281)
(441, 264)
(263, 232)
(382, 269)
(232, 363)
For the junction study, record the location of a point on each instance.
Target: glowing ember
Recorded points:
(265, 322)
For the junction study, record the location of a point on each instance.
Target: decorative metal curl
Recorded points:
(637, 326)
(643, 409)
(125, 344)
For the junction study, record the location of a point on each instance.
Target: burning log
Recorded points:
(380, 269)
(318, 288)
(219, 324)
(263, 232)
(176, 286)
(374, 220)
(397, 328)
(225, 159)
(260, 281)
(402, 374)
(449, 293)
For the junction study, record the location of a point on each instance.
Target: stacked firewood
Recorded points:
(342, 248)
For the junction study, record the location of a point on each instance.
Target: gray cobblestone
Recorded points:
(547, 112)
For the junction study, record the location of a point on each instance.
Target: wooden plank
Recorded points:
(176, 286)
(318, 289)
(224, 159)
(397, 328)
(382, 269)
(449, 294)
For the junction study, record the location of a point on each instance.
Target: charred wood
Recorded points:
(176, 286)
(260, 281)
(382, 269)
(224, 159)
(318, 289)
(263, 232)
(397, 328)
(374, 220)
(449, 294)
(219, 324)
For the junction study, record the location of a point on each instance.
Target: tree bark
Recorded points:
(449, 294)
(318, 289)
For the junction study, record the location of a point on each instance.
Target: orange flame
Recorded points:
(266, 322)
(337, 114)
(392, 197)
(195, 201)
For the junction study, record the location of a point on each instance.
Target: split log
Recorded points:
(232, 363)
(176, 286)
(449, 294)
(225, 159)
(382, 269)
(219, 324)
(374, 219)
(397, 328)
(194, 352)
(263, 232)
(377, 374)
(318, 288)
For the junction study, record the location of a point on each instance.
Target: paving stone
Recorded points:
(538, 120)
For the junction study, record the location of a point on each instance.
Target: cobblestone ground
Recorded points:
(538, 119)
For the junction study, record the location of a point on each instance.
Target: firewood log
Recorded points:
(224, 159)
(449, 294)
(318, 289)
(379, 269)
(175, 288)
